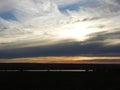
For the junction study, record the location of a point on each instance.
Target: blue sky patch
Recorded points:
(77, 6)
(8, 15)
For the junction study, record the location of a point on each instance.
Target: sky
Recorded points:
(62, 29)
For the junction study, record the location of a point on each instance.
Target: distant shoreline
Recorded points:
(58, 67)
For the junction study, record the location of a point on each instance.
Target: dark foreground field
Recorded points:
(59, 77)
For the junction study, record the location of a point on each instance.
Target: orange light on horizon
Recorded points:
(70, 59)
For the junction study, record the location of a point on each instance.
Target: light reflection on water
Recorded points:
(82, 70)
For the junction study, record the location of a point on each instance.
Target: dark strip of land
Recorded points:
(62, 67)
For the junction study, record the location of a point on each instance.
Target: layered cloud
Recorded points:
(42, 23)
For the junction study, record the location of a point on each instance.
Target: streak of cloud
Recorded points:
(70, 59)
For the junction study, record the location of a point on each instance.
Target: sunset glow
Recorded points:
(78, 31)
(74, 59)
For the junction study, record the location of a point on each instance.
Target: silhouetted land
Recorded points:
(102, 77)
(58, 66)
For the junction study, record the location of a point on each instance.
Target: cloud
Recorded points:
(66, 3)
(25, 24)
(63, 48)
(37, 24)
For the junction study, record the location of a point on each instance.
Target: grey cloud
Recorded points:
(63, 49)
(118, 1)
(105, 38)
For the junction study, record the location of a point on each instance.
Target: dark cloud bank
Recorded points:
(63, 49)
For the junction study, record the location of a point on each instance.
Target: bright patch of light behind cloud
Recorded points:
(25, 23)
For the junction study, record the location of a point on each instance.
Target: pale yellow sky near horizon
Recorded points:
(62, 59)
